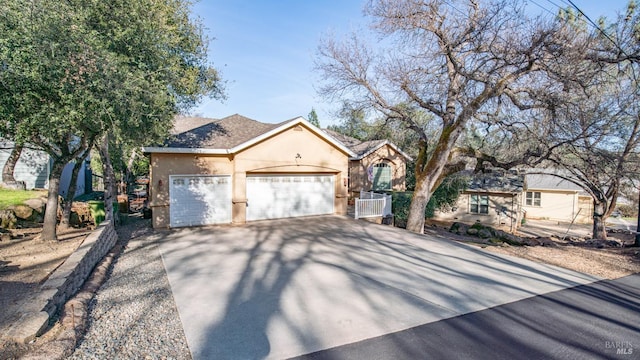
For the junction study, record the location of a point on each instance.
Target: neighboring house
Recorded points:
(378, 165)
(492, 199)
(34, 166)
(236, 169)
(550, 197)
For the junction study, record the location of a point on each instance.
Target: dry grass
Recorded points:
(575, 254)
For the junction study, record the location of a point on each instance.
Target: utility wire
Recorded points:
(598, 27)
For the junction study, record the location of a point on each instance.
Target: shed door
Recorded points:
(283, 196)
(199, 200)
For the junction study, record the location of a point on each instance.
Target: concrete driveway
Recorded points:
(278, 289)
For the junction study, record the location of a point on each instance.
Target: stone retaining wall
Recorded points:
(62, 284)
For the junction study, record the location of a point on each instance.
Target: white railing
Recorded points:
(372, 204)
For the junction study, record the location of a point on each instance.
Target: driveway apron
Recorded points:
(282, 288)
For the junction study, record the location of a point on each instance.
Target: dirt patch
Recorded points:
(573, 252)
(26, 262)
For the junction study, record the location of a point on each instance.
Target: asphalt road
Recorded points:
(595, 321)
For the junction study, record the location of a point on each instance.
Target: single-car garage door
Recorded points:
(282, 196)
(199, 200)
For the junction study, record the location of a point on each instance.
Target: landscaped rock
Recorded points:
(459, 228)
(22, 212)
(483, 233)
(598, 243)
(472, 231)
(547, 241)
(37, 204)
(510, 238)
(529, 241)
(8, 219)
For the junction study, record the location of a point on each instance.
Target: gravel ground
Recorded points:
(134, 315)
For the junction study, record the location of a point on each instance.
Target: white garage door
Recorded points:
(199, 200)
(282, 196)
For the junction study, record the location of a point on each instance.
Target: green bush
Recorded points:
(400, 202)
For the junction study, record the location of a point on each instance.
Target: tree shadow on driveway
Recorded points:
(277, 289)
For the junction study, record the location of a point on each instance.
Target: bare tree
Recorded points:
(452, 59)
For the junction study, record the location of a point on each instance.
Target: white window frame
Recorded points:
(533, 198)
(477, 201)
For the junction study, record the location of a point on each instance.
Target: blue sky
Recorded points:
(266, 48)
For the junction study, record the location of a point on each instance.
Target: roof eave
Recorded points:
(293, 122)
(385, 142)
(175, 150)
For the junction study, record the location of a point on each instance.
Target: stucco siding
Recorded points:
(293, 151)
(164, 165)
(358, 170)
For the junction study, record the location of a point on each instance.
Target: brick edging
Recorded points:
(65, 281)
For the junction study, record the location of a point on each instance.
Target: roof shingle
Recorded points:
(357, 146)
(225, 133)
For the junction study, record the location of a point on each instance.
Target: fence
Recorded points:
(372, 204)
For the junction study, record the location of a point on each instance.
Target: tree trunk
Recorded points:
(421, 195)
(129, 180)
(109, 181)
(599, 228)
(10, 165)
(66, 209)
(51, 211)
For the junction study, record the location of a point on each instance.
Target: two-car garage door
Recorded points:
(283, 196)
(203, 200)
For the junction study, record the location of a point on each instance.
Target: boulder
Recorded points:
(483, 233)
(473, 231)
(8, 219)
(22, 212)
(547, 241)
(598, 243)
(37, 204)
(459, 228)
(529, 241)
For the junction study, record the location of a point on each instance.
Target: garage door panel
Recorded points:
(199, 200)
(282, 196)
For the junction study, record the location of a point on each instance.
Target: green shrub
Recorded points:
(446, 194)
(400, 202)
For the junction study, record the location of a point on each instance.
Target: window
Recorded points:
(533, 198)
(381, 176)
(479, 204)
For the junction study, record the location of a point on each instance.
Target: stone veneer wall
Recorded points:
(63, 283)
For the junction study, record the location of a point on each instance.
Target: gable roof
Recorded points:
(225, 133)
(363, 148)
(230, 135)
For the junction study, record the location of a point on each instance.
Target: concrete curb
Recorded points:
(62, 285)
